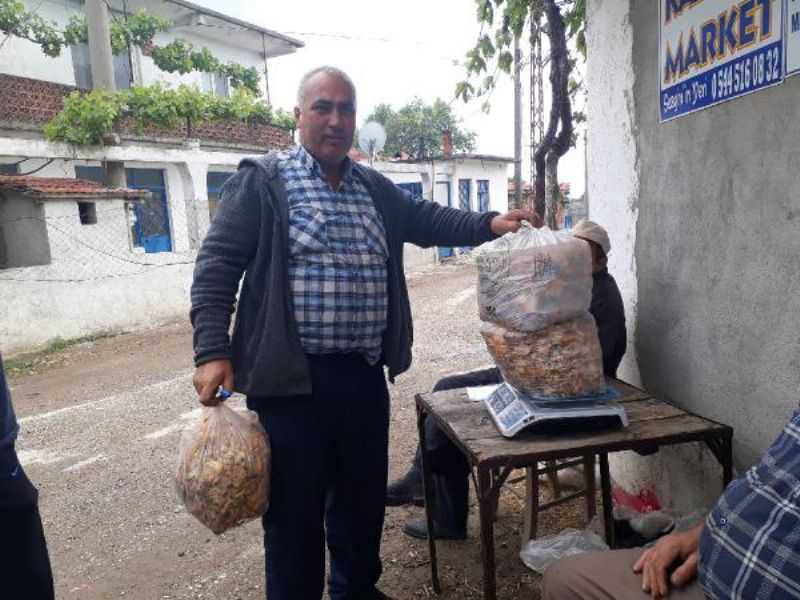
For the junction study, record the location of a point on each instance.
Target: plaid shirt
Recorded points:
(750, 547)
(337, 259)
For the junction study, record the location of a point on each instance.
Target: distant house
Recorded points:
(474, 182)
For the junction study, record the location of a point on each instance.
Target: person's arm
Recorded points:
(8, 425)
(655, 563)
(430, 224)
(226, 251)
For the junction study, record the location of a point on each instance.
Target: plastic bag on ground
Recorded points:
(540, 553)
(223, 475)
(560, 361)
(533, 278)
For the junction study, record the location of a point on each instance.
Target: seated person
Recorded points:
(449, 466)
(748, 547)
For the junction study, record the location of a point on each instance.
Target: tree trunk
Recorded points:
(553, 192)
(556, 141)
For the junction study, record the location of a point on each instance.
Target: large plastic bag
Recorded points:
(540, 553)
(223, 475)
(533, 278)
(562, 361)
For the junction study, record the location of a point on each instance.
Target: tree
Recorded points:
(561, 21)
(416, 129)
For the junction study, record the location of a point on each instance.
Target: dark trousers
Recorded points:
(329, 469)
(25, 572)
(448, 463)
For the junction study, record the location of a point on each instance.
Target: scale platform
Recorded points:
(513, 411)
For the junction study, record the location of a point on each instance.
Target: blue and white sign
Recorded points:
(716, 50)
(792, 37)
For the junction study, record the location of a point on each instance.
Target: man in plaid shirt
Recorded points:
(316, 242)
(748, 547)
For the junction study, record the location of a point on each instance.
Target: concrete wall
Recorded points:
(703, 215)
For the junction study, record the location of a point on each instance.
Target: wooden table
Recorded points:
(653, 423)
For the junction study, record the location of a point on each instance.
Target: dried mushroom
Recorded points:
(224, 473)
(560, 361)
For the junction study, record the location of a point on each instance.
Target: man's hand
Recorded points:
(655, 563)
(209, 377)
(510, 221)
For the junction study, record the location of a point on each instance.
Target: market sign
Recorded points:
(793, 37)
(716, 50)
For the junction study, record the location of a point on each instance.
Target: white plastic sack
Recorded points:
(534, 278)
(540, 553)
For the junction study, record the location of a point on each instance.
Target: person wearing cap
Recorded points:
(448, 465)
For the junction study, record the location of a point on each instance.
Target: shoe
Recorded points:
(406, 490)
(418, 528)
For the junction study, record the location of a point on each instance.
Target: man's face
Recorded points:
(327, 119)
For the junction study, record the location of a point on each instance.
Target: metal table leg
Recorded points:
(589, 485)
(486, 495)
(430, 498)
(608, 513)
(530, 529)
(722, 449)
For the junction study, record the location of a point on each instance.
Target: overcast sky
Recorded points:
(394, 51)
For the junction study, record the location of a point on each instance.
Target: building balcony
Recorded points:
(27, 104)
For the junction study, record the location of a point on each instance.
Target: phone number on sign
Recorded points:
(750, 73)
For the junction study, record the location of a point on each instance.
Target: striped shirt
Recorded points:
(750, 547)
(337, 259)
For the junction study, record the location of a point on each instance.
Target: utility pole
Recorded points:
(102, 65)
(517, 125)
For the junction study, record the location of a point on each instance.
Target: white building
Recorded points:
(38, 303)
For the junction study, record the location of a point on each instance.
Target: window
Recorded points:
(87, 211)
(483, 195)
(217, 84)
(82, 67)
(214, 183)
(464, 193)
(9, 169)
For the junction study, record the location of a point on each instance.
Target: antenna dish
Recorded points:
(371, 139)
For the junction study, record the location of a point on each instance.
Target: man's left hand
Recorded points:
(656, 563)
(510, 222)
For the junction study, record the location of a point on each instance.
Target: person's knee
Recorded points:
(558, 580)
(451, 382)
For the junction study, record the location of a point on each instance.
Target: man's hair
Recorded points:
(302, 88)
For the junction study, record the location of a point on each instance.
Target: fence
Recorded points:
(68, 269)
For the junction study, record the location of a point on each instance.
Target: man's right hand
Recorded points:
(208, 378)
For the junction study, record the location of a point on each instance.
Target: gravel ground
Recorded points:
(100, 429)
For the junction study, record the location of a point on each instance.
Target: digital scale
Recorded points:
(513, 410)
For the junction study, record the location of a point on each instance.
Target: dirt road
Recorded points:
(99, 436)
